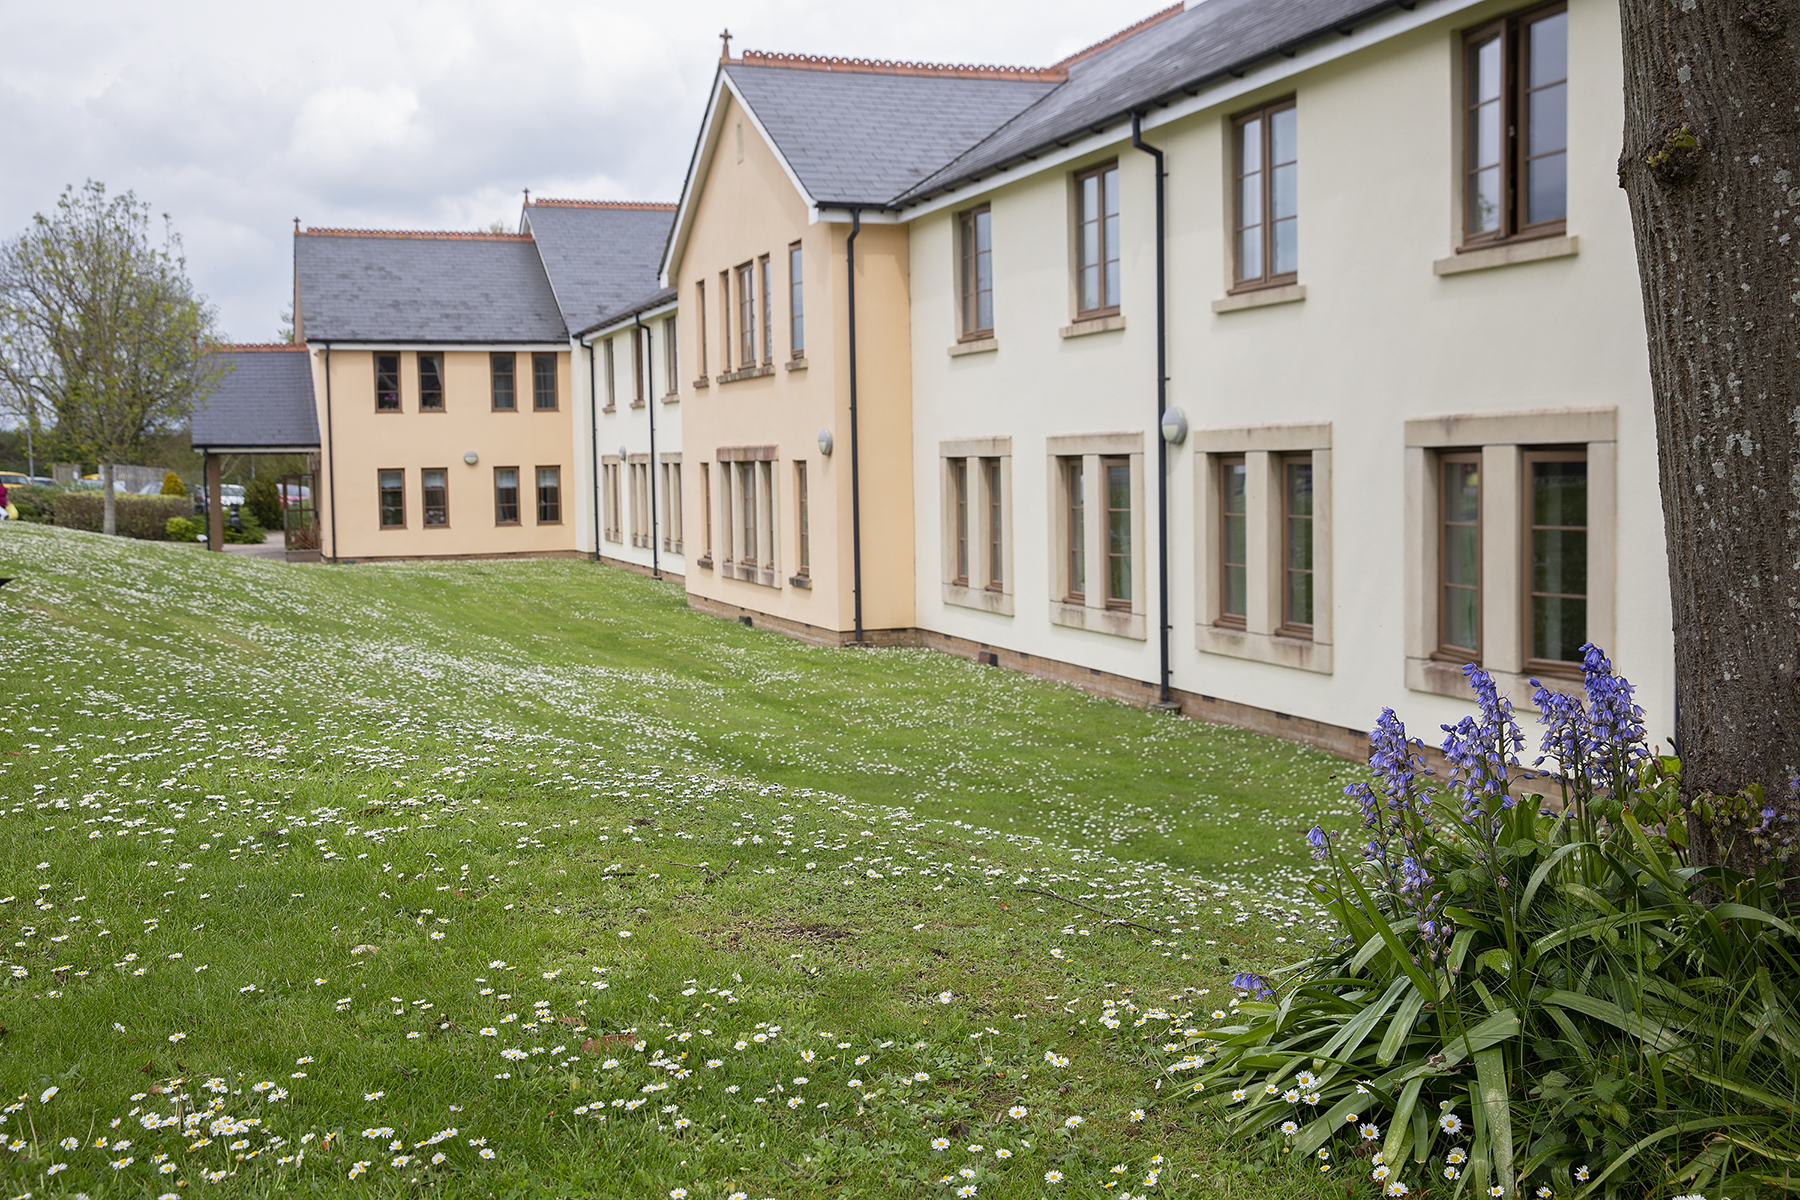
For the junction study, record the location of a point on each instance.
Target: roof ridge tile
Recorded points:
(640, 205)
(422, 234)
(253, 347)
(882, 66)
(1155, 18)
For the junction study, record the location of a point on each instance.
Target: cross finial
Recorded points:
(725, 52)
(296, 224)
(527, 197)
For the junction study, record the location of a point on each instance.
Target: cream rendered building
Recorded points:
(1403, 343)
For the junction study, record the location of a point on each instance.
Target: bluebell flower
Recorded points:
(1484, 753)
(1320, 842)
(1244, 981)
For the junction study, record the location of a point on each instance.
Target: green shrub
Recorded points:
(263, 498)
(172, 485)
(1547, 1004)
(35, 503)
(145, 517)
(185, 529)
(252, 533)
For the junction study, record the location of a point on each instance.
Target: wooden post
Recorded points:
(215, 510)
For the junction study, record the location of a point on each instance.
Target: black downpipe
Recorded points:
(330, 456)
(1162, 403)
(855, 463)
(594, 442)
(650, 411)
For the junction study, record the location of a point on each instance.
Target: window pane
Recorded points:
(1462, 492)
(1118, 531)
(393, 498)
(1558, 559)
(543, 381)
(959, 476)
(1461, 550)
(1558, 627)
(1559, 493)
(502, 368)
(1283, 140)
(434, 494)
(996, 525)
(1547, 188)
(387, 383)
(1111, 176)
(1300, 496)
(549, 494)
(1300, 597)
(794, 300)
(506, 496)
(1286, 236)
(1090, 218)
(1250, 253)
(431, 381)
(1284, 199)
(1250, 146)
(1484, 61)
(1462, 618)
(1236, 583)
(1077, 529)
(1547, 122)
(1549, 50)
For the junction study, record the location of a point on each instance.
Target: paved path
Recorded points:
(275, 547)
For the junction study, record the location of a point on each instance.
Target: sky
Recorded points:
(234, 118)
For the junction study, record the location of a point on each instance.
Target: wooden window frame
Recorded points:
(1265, 218)
(425, 521)
(1515, 69)
(511, 375)
(393, 374)
(993, 480)
(537, 494)
(1563, 668)
(609, 357)
(500, 520)
(537, 393)
(796, 302)
(1074, 485)
(1289, 627)
(959, 496)
(672, 522)
(1108, 463)
(613, 504)
(381, 506)
(425, 393)
(671, 356)
(746, 298)
(749, 548)
(706, 508)
(768, 310)
(1109, 305)
(725, 322)
(1228, 619)
(969, 256)
(637, 367)
(700, 324)
(1447, 651)
(803, 518)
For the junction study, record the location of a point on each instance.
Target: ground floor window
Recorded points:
(1557, 554)
(671, 485)
(611, 495)
(1097, 559)
(977, 523)
(434, 489)
(803, 518)
(506, 495)
(393, 499)
(747, 513)
(549, 495)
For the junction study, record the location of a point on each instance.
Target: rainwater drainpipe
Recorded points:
(855, 477)
(330, 456)
(1162, 403)
(650, 410)
(594, 442)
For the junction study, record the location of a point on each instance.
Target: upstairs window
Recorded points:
(671, 357)
(796, 305)
(768, 311)
(500, 372)
(609, 365)
(977, 270)
(1516, 135)
(746, 284)
(1267, 196)
(431, 383)
(543, 382)
(387, 383)
(700, 324)
(1097, 241)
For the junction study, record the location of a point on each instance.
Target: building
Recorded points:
(1389, 278)
(261, 404)
(453, 384)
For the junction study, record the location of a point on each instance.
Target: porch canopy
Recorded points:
(262, 404)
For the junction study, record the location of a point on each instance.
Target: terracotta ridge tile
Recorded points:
(647, 205)
(882, 66)
(253, 347)
(1155, 18)
(423, 234)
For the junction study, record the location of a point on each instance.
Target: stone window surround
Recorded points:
(1503, 439)
(1092, 614)
(972, 595)
(1263, 448)
(732, 461)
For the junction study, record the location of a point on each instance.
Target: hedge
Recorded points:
(144, 517)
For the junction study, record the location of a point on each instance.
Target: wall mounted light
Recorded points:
(1174, 426)
(471, 458)
(825, 442)
(624, 455)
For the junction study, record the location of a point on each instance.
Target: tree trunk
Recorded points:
(1711, 151)
(109, 503)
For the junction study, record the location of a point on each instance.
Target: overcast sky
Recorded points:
(236, 118)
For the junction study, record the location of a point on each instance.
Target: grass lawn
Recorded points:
(523, 879)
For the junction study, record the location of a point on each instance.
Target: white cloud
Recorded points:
(235, 118)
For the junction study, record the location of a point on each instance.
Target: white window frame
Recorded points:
(1264, 449)
(1092, 613)
(1503, 440)
(974, 593)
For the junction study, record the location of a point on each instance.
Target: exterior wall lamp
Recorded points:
(471, 458)
(1174, 427)
(825, 442)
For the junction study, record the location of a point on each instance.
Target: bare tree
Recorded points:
(101, 327)
(1712, 147)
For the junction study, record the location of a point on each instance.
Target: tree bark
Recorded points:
(1711, 154)
(109, 502)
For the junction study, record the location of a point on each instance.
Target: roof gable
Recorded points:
(600, 256)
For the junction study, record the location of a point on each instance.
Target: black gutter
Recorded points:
(1162, 404)
(650, 412)
(855, 475)
(330, 455)
(594, 442)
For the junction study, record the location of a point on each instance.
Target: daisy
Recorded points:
(1289, 1128)
(1072, 1122)
(1450, 1123)
(1053, 1176)
(1016, 1112)
(1370, 1132)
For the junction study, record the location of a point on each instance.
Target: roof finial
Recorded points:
(528, 197)
(725, 53)
(296, 224)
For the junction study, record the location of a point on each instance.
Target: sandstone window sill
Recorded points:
(672, 398)
(1291, 293)
(747, 373)
(1099, 620)
(800, 581)
(980, 599)
(973, 346)
(795, 364)
(1093, 325)
(705, 562)
(1302, 654)
(702, 382)
(1508, 255)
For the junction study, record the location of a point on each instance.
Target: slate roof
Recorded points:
(601, 257)
(1208, 40)
(893, 134)
(264, 401)
(865, 137)
(379, 286)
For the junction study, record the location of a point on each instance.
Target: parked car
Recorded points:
(12, 479)
(231, 493)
